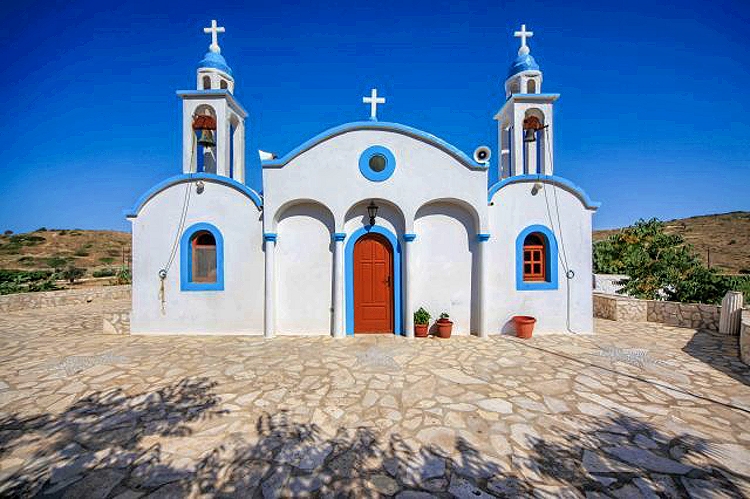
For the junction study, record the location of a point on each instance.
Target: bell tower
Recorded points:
(525, 120)
(213, 122)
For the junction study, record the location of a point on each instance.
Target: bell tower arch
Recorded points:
(213, 122)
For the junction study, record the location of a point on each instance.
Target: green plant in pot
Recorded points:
(421, 322)
(444, 325)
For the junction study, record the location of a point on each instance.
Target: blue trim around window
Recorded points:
(189, 177)
(349, 276)
(563, 183)
(186, 259)
(369, 173)
(550, 260)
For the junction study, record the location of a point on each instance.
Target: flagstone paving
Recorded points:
(636, 410)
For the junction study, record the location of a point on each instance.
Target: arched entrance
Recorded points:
(373, 285)
(373, 282)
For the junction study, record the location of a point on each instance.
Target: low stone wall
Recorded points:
(22, 301)
(620, 308)
(116, 323)
(745, 337)
(690, 315)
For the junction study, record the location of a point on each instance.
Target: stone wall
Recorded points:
(745, 337)
(690, 315)
(21, 301)
(620, 308)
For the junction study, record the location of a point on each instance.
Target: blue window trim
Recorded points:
(550, 259)
(349, 276)
(369, 173)
(186, 259)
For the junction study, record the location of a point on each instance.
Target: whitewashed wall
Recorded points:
(443, 263)
(515, 208)
(236, 310)
(304, 269)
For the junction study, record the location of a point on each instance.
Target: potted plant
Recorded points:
(524, 325)
(421, 321)
(444, 325)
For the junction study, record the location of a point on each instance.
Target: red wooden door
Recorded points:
(373, 285)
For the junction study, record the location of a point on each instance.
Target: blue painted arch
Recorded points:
(349, 276)
(186, 259)
(453, 151)
(561, 182)
(550, 257)
(190, 177)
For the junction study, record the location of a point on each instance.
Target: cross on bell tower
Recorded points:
(373, 100)
(523, 35)
(214, 30)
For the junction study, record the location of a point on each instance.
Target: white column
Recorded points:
(223, 138)
(270, 306)
(482, 327)
(338, 285)
(189, 161)
(517, 144)
(408, 295)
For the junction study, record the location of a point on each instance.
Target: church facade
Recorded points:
(358, 227)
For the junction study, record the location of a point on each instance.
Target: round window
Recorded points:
(377, 163)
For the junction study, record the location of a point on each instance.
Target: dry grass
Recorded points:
(725, 235)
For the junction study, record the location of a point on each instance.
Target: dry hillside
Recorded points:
(724, 237)
(51, 249)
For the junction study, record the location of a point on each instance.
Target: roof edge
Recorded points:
(415, 133)
(561, 182)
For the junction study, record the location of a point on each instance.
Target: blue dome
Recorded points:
(215, 61)
(523, 63)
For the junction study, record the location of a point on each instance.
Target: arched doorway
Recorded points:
(374, 284)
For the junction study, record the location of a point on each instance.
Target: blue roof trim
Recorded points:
(561, 182)
(379, 126)
(180, 179)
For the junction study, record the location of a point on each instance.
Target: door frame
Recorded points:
(349, 276)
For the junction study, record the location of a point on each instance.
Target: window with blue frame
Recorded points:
(202, 259)
(536, 259)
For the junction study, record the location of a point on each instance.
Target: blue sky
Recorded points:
(652, 120)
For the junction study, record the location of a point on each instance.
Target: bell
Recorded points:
(206, 139)
(529, 135)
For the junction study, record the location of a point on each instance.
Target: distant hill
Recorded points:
(724, 236)
(49, 249)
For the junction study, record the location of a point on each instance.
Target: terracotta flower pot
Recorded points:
(420, 330)
(444, 328)
(524, 325)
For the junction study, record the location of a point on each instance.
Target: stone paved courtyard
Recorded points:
(637, 410)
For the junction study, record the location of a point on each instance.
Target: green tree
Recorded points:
(72, 273)
(659, 265)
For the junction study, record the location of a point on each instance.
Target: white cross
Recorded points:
(373, 100)
(523, 35)
(214, 30)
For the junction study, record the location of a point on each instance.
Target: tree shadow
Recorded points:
(110, 444)
(722, 352)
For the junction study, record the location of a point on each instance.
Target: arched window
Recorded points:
(223, 85)
(531, 87)
(202, 258)
(206, 82)
(534, 264)
(203, 247)
(536, 259)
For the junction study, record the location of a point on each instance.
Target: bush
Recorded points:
(24, 281)
(107, 260)
(661, 266)
(123, 276)
(71, 274)
(41, 229)
(56, 262)
(421, 316)
(104, 273)
(8, 232)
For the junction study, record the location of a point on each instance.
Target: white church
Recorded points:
(361, 225)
